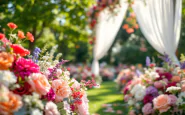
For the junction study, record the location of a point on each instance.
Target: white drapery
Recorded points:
(106, 30)
(160, 22)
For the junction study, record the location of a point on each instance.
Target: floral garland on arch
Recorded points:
(158, 91)
(93, 14)
(38, 84)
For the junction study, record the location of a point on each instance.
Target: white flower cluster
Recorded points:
(180, 100)
(151, 74)
(138, 91)
(7, 78)
(172, 89)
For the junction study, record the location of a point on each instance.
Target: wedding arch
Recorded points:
(159, 20)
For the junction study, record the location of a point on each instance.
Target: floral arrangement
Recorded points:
(37, 84)
(126, 75)
(107, 73)
(158, 91)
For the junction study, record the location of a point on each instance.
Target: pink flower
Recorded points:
(84, 107)
(39, 83)
(147, 109)
(173, 99)
(25, 67)
(162, 103)
(61, 89)
(158, 84)
(75, 85)
(51, 109)
(132, 112)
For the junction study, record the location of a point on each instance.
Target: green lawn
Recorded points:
(106, 94)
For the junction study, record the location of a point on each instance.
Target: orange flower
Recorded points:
(12, 25)
(13, 104)
(130, 30)
(136, 26)
(30, 36)
(176, 79)
(6, 60)
(2, 36)
(125, 26)
(20, 35)
(162, 103)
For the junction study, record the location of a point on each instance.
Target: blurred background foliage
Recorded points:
(65, 23)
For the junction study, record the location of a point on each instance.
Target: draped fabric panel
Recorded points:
(106, 30)
(160, 22)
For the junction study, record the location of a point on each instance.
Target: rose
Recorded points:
(12, 25)
(176, 79)
(39, 83)
(20, 35)
(11, 105)
(51, 109)
(162, 103)
(6, 60)
(24, 90)
(61, 89)
(18, 49)
(30, 36)
(2, 36)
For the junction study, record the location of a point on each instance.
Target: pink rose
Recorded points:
(61, 89)
(162, 103)
(39, 83)
(147, 109)
(158, 84)
(173, 99)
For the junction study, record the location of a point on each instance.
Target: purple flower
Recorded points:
(36, 53)
(53, 70)
(25, 67)
(152, 91)
(182, 65)
(166, 59)
(148, 61)
(50, 95)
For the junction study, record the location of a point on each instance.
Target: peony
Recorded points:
(30, 36)
(162, 103)
(20, 35)
(139, 95)
(12, 25)
(7, 78)
(25, 67)
(11, 105)
(51, 109)
(18, 49)
(173, 99)
(61, 89)
(39, 83)
(147, 109)
(136, 88)
(6, 60)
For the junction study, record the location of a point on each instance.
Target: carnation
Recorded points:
(25, 67)
(173, 89)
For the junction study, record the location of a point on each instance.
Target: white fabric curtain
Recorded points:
(160, 22)
(106, 30)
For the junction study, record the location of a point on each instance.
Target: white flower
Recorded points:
(66, 106)
(139, 95)
(136, 88)
(7, 78)
(179, 101)
(36, 112)
(3, 93)
(51, 109)
(153, 75)
(130, 102)
(173, 88)
(58, 72)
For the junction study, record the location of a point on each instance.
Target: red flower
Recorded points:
(18, 49)
(2, 36)
(30, 36)
(148, 99)
(12, 25)
(166, 75)
(20, 35)
(23, 89)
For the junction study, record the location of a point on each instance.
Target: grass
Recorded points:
(106, 94)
